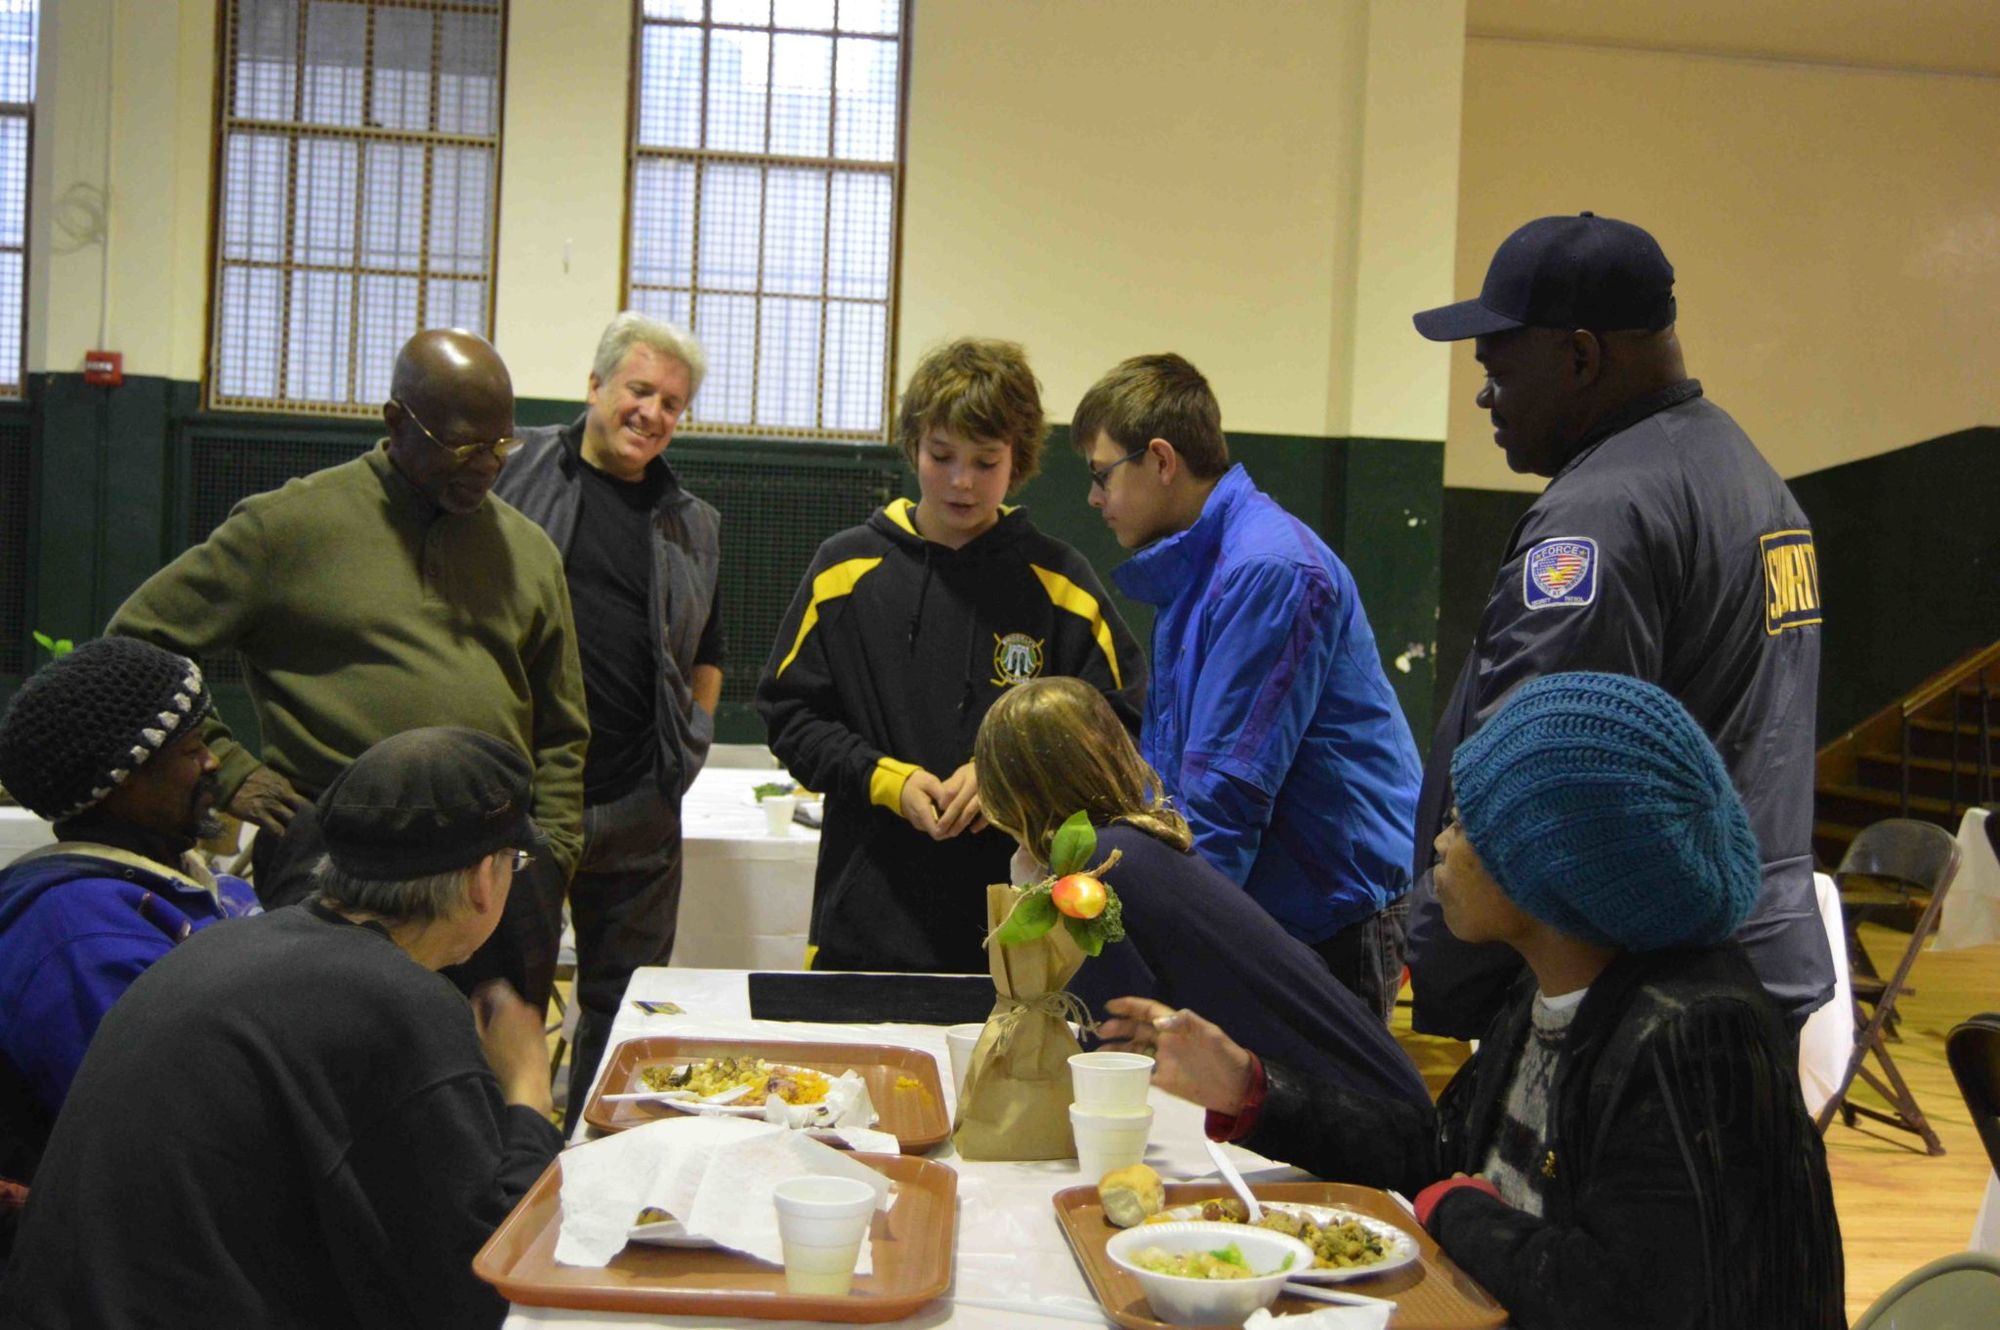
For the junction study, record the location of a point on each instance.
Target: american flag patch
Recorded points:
(1560, 571)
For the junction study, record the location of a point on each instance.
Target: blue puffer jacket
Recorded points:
(1270, 719)
(78, 923)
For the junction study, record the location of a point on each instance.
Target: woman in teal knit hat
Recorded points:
(1629, 1146)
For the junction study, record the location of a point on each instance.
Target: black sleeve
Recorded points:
(1701, 1143)
(430, 1182)
(799, 699)
(1342, 1136)
(713, 649)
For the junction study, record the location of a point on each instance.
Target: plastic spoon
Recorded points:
(1234, 1179)
(1324, 1294)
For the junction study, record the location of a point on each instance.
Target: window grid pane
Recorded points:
(765, 171)
(19, 28)
(359, 142)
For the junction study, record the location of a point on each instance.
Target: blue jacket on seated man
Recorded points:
(105, 742)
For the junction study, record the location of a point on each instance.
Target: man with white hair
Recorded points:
(641, 555)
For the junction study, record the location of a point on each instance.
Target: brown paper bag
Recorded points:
(1017, 1092)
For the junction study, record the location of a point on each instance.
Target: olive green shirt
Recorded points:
(361, 610)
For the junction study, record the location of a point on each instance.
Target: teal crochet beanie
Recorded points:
(1601, 808)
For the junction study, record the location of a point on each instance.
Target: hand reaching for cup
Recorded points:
(1192, 1058)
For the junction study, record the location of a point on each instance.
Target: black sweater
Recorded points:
(1686, 1186)
(1195, 939)
(892, 652)
(284, 1123)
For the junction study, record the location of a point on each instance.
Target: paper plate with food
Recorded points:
(1345, 1245)
(750, 1087)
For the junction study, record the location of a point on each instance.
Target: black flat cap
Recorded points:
(428, 801)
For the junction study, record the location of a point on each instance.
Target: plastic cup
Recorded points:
(1105, 1141)
(821, 1221)
(778, 813)
(960, 1040)
(1111, 1082)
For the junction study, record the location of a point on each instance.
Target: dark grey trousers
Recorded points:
(624, 903)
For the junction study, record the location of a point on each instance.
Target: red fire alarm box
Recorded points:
(106, 369)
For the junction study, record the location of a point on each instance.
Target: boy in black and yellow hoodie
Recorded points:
(905, 630)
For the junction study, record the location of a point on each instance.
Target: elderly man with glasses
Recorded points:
(384, 594)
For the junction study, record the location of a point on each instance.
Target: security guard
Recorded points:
(1665, 547)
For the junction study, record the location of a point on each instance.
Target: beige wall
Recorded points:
(1263, 185)
(156, 61)
(1098, 180)
(562, 189)
(1835, 231)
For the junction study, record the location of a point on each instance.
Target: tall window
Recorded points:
(18, 24)
(765, 172)
(360, 156)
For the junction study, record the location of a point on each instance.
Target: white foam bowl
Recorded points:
(1185, 1301)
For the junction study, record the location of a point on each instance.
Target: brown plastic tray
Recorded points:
(1431, 1293)
(914, 1116)
(913, 1245)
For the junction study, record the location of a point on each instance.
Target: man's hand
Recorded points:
(516, 1044)
(961, 804)
(923, 796)
(1192, 1058)
(267, 801)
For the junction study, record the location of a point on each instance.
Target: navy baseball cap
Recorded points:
(1565, 272)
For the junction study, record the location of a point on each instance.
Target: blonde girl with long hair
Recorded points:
(1052, 747)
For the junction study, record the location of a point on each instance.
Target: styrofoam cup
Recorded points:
(960, 1041)
(821, 1221)
(778, 813)
(1105, 1141)
(1111, 1082)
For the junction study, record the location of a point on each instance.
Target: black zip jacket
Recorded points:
(1687, 1189)
(891, 653)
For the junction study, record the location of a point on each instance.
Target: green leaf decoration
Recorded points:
(1033, 915)
(1072, 845)
(1088, 939)
(55, 646)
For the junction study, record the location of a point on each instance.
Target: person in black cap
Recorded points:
(106, 743)
(293, 1120)
(1664, 547)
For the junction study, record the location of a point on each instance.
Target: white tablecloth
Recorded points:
(1827, 1041)
(1013, 1266)
(746, 895)
(21, 831)
(1971, 914)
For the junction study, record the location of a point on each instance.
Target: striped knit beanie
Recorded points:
(86, 721)
(1601, 808)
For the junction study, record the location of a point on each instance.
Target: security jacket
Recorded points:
(892, 652)
(1668, 550)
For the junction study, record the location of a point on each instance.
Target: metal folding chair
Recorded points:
(1973, 1049)
(1956, 1292)
(1898, 863)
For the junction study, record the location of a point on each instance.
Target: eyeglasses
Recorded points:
(1100, 478)
(523, 860)
(466, 452)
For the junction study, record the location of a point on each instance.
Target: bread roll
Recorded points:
(1131, 1195)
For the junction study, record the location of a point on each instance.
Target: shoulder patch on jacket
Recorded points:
(837, 581)
(1067, 595)
(1791, 580)
(1560, 571)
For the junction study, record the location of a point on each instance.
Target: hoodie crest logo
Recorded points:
(1017, 658)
